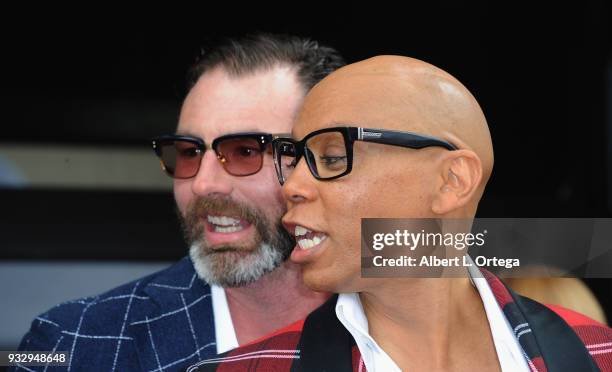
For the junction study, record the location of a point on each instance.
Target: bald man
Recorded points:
(395, 137)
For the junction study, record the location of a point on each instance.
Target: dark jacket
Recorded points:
(163, 322)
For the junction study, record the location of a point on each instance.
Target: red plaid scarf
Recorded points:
(552, 338)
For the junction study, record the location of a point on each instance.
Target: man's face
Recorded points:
(385, 181)
(233, 223)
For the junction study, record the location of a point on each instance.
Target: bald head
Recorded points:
(402, 93)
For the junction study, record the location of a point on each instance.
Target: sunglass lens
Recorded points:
(240, 156)
(181, 159)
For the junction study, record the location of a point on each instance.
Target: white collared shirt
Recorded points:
(225, 333)
(509, 352)
(349, 311)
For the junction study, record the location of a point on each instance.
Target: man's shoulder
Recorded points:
(141, 294)
(137, 291)
(152, 317)
(274, 352)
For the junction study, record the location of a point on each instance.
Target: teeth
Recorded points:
(309, 243)
(304, 242)
(223, 220)
(300, 230)
(229, 229)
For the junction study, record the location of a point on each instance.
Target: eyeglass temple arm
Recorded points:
(280, 136)
(285, 136)
(401, 139)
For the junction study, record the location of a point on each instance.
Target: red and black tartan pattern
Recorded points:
(275, 352)
(517, 321)
(595, 338)
(552, 338)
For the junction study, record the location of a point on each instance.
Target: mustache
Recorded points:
(222, 206)
(194, 230)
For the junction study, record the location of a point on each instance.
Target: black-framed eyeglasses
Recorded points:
(241, 154)
(329, 151)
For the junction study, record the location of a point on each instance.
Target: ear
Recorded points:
(461, 176)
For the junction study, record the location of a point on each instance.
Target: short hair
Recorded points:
(263, 51)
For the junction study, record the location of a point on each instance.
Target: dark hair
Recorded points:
(262, 51)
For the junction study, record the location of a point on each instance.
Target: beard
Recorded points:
(234, 265)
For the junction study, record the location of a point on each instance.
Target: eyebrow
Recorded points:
(184, 133)
(189, 134)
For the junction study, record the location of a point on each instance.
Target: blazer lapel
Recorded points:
(548, 341)
(325, 344)
(560, 347)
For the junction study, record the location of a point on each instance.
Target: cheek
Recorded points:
(182, 194)
(341, 210)
(345, 202)
(389, 192)
(340, 266)
(263, 192)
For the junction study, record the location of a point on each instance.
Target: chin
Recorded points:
(319, 281)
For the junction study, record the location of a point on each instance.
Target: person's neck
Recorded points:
(430, 323)
(276, 300)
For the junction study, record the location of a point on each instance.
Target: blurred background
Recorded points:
(85, 206)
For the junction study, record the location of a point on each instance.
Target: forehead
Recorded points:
(264, 101)
(360, 101)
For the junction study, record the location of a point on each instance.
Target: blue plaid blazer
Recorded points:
(162, 322)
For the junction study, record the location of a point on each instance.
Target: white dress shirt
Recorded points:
(349, 311)
(224, 326)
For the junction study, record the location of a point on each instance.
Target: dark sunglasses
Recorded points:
(329, 151)
(241, 154)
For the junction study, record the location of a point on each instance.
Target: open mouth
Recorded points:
(307, 239)
(226, 224)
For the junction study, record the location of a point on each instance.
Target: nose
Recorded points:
(299, 187)
(211, 177)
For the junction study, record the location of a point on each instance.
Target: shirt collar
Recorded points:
(350, 313)
(225, 333)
